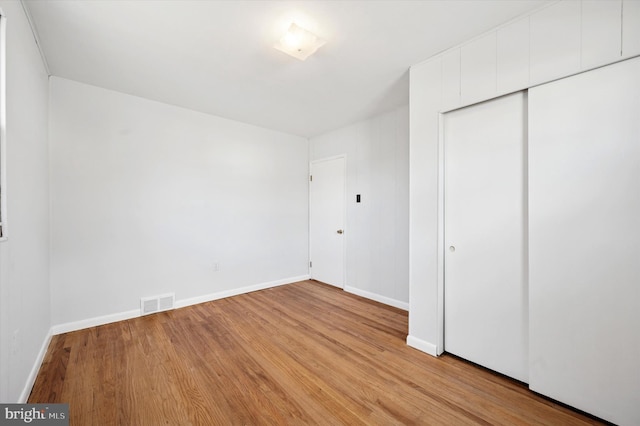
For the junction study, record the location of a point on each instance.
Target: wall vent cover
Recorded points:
(153, 304)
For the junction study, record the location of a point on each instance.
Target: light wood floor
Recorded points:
(296, 354)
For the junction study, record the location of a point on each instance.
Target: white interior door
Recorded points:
(326, 221)
(485, 275)
(584, 136)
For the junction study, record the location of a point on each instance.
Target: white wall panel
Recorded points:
(25, 305)
(424, 106)
(513, 56)
(601, 29)
(555, 41)
(451, 79)
(584, 157)
(478, 69)
(630, 28)
(147, 197)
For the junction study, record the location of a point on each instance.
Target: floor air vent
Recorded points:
(150, 305)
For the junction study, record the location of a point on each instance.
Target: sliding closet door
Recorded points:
(485, 235)
(584, 198)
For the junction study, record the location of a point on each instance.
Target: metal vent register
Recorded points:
(163, 302)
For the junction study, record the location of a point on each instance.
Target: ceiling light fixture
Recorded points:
(299, 42)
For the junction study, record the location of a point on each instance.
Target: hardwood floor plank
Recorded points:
(53, 371)
(304, 353)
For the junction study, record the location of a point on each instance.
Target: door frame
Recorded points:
(344, 214)
(441, 250)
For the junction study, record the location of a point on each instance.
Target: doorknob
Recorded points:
(452, 248)
(340, 231)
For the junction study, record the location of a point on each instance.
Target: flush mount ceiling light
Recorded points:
(299, 42)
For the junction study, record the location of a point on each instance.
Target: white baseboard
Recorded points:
(422, 345)
(95, 321)
(378, 298)
(31, 379)
(121, 316)
(236, 291)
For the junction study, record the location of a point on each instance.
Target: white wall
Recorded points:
(377, 229)
(24, 256)
(548, 44)
(146, 197)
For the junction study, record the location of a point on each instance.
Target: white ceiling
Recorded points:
(218, 57)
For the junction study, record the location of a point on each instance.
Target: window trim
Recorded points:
(3, 128)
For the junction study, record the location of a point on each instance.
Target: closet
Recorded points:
(584, 241)
(542, 238)
(485, 234)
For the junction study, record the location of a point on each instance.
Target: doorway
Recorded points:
(327, 189)
(485, 235)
